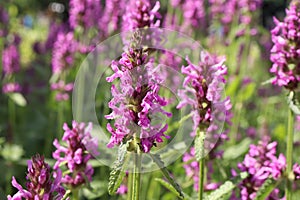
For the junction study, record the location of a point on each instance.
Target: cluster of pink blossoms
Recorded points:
(74, 154)
(39, 182)
(261, 163)
(285, 53)
(64, 50)
(203, 87)
(85, 13)
(62, 90)
(139, 15)
(137, 101)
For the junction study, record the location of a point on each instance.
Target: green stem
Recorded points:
(199, 148)
(201, 178)
(136, 176)
(75, 194)
(129, 185)
(60, 119)
(12, 116)
(289, 154)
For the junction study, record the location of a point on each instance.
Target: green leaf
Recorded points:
(166, 173)
(167, 185)
(199, 145)
(237, 150)
(247, 92)
(98, 189)
(224, 190)
(117, 174)
(18, 99)
(54, 77)
(233, 87)
(293, 102)
(12, 152)
(265, 190)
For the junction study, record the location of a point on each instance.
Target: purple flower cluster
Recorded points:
(193, 13)
(112, 16)
(62, 90)
(39, 183)
(203, 90)
(11, 59)
(137, 103)
(11, 65)
(226, 12)
(74, 154)
(296, 171)
(85, 13)
(47, 46)
(11, 88)
(261, 163)
(191, 167)
(139, 15)
(63, 54)
(285, 53)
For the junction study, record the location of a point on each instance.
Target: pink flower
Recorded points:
(39, 183)
(286, 52)
(136, 102)
(74, 156)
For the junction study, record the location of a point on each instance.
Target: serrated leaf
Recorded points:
(224, 190)
(18, 99)
(266, 189)
(199, 145)
(166, 173)
(293, 103)
(117, 174)
(167, 185)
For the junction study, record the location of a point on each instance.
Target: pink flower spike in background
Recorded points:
(74, 154)
(39, 184)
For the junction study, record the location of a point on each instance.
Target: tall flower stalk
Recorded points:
(136, 102)
(133, 106)
(285, 56)
(203, 87)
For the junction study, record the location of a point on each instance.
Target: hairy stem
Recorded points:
(201, 178)
(136, 176)
(289, 154)
(75, 194)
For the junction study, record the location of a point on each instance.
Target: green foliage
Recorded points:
(117, 174)
(7, 150)
(98, 189)
(237, 150)
(18, 99)
(266, 189)
(166, 173)
(168, 186)
(293, 102)
(199, 145)
(225, 189)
